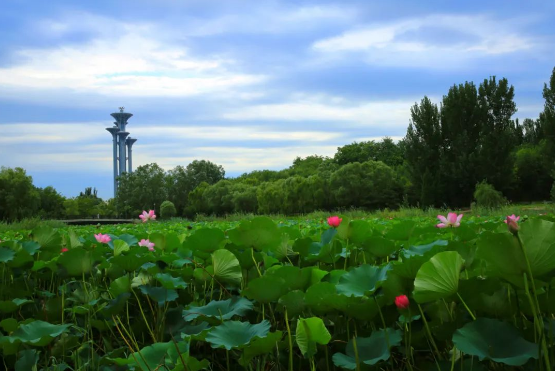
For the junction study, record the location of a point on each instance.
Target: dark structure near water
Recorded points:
(121, 140)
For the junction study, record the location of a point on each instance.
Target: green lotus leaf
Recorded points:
(77, 262)
(294, 277)
(538, 240)
(32, 246)
(221, 309)
(120, 246)
(260, 346)
(120, 285)
(6, 254)
(159, 294)
(236, 334)
(130, 262)
(156, 355)
(311, 331)
(116, 305)
(27, 360)
(379, 246)
(37, 333)
(321, 297)
(226, 267)
(503, 256)
(159, 241)
(293, 301)
(362, 280)
(260, 233)
(170, 282)
(48, 238)
(129, 239)
(496, 340)
(203, 242)
(438, 278)
(265, 289)
(371, 350)
(401, 231)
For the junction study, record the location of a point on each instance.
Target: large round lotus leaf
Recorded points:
(203, 242)
(260, 346)
(438, 278)
(27, 360)
(116, 305)
(159, 294)
(157, 355)
(129, 239)
(260, 233)
(131, 261)
(371, 350)
(401, 231)
(293, 301)
(311, 331)
(265, 289)
(503, 256)
(538, 239)
(421, 250)
(120, 246)
(294, 277)
(49, 239)
(235, 334)
(77, 262)
(32, 247)
(159, 241)
(37, 333)
(226, 267)
(172, 242)
(362, 280)
(361, 308)
(222, 309)
(496, 340)
(302, 246)
(170, 282)
(321, 297)
(6, 254)
(379, 246)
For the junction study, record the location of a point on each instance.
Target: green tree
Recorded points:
(197, 203)
(271, 197)
(371, 185)
(423, 144)
(18, 196)
(219, 198)
(461, 127)
(167, 210)
(141, 190)
(497, 133)
(386, 151)
(531, 172)
(244, 198)
(51, 203)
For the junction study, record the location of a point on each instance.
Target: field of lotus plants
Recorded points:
(458, 293)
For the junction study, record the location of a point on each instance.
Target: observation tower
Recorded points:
(121, 140)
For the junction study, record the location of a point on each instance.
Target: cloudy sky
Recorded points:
(245, 84)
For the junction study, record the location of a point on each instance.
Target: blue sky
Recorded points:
(246, 84)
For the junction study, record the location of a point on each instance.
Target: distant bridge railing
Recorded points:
(97, 221)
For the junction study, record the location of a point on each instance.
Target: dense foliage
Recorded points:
(296, 295)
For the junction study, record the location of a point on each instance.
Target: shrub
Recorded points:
(553, 192)
(167, 210)
(486, 196)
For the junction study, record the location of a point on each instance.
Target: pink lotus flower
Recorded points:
(145, 217)
(452, 220)
(102, 238)
(402, 302)
(512, 224)
(334, 221)
(64, 249)
(147, 243)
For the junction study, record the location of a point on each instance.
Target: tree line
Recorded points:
(468, 139)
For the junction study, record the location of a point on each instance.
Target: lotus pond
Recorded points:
(371, 294)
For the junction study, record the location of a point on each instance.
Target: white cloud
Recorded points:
(130, 60)
(404, 43)
(371, 114)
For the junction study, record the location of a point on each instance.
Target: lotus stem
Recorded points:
(467, 308)
(290, 341)
(355, 348)
(428, 331)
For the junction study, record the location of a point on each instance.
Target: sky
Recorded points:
(248, 85)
